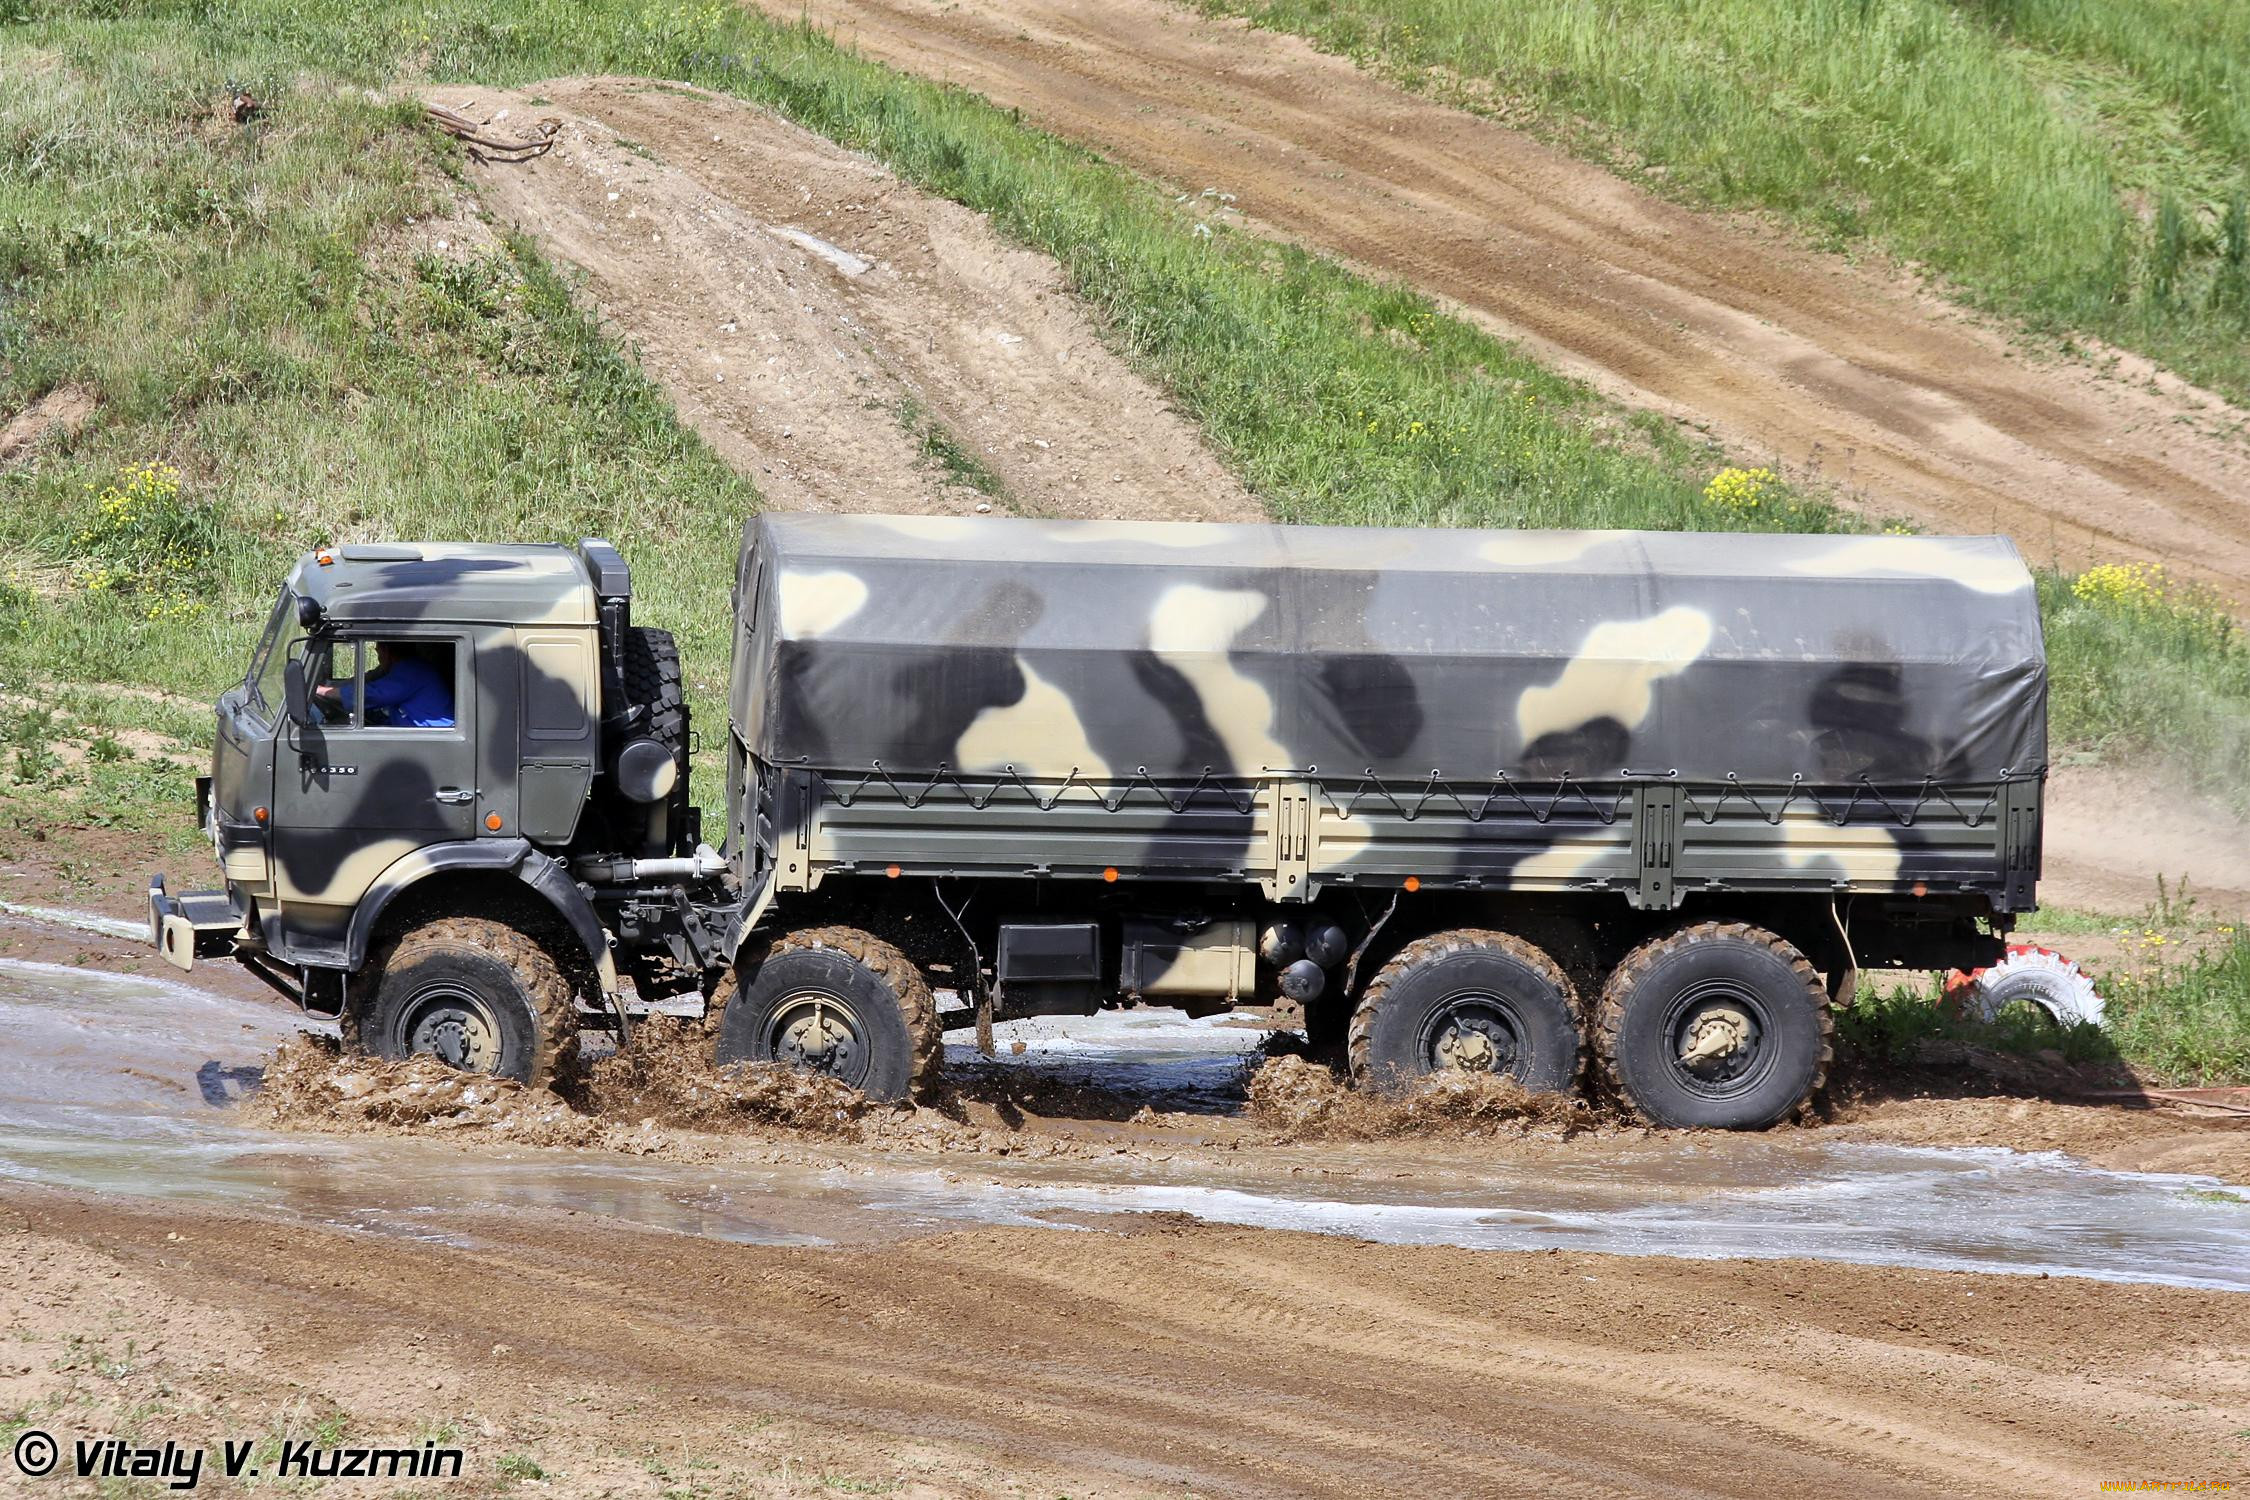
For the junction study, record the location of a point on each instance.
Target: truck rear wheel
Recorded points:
(1719, 1026)
(835, 1000)
(1466, 1001)
(478, 995)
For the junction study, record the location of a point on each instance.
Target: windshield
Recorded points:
(264, 678)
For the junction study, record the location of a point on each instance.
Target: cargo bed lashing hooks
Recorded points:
(844, 793)
(1500, 787)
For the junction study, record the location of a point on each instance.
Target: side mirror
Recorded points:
(297, 691)
(309, 612)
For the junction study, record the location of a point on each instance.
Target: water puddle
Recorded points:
(1983, 1210)
(126, 1085)
(77, 921)
(1162, 1058)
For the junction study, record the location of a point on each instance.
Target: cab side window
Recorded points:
(386, 684)
(332, 671)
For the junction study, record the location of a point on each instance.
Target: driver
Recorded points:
(403, 691)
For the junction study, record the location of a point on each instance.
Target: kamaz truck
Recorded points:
(1588, 808)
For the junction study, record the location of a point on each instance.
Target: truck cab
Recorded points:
(443, 731)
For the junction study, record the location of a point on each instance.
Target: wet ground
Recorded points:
(126, 1085)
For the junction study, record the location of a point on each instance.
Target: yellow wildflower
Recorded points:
(1738, 489)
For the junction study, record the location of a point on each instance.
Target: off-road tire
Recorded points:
(719, 996)
(653, 680)
(720, 992)
(359, 990)
(528, 994)
(1632, 1030)
(1386, 1042)
(2028, 975)
(883, 989)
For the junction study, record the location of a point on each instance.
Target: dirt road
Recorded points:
(1146, 1357)
(847, 342)
(1780, 352)
(2112, 833)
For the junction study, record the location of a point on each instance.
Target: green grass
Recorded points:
(2174, 912)
(2187, 1022)
(943, 450)
(2079, 164)
(245, 302)
(1890, 1022)
(2217, 1198)
(2164, 681)
(247, 306)
(514, 1467)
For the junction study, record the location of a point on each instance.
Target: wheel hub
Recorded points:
(1471, 1043)
(458, 1036)
(816, 1033)
(1718, 1032)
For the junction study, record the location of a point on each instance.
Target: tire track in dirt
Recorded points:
(812, 316)
(1736, 1395)
(1905, 403)
(1158, 1355)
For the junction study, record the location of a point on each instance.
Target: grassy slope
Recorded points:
(213, 287)
(2075, 163)
(245, 304)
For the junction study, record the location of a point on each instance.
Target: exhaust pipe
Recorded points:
(597, 869)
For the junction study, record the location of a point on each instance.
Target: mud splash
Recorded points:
(668, 1078)
(307, 1084)
(1299, 1100)
(666, 1097)
(666, 1082)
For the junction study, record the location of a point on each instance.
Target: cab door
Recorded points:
(353, 794)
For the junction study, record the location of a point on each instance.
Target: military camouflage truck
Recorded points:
(1516, 802)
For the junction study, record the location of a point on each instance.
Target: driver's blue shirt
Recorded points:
(408, 694)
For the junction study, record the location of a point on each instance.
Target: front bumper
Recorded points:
(191, 925)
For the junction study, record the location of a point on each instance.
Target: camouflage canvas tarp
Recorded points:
(972, 645)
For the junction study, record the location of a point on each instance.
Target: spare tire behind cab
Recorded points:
(647, 766)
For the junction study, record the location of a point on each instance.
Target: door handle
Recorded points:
(455, 794)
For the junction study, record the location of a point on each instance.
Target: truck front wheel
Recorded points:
(1466, 1001)
(1719, 1026)
(835, 1000)
(476, 994)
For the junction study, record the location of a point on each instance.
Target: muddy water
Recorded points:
(127, 1085)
